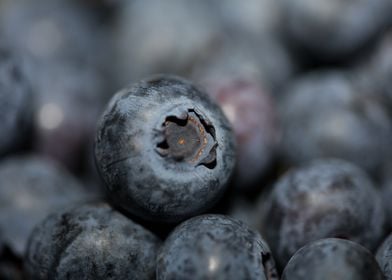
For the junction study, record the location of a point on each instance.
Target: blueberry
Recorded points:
(69, 100)
(90, 242)
(326, 198)
(215, 247)
(52, 31)
(164, 149)
(334, 29)
(265, 59)
(16, 98)
(252, 113)
(155, 37)
(326, 114)
(30, 187)
(332, 258)
(383, 257)
(258, 18)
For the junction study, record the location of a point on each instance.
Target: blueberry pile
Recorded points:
(207, 139)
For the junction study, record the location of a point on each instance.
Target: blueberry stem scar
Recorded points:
(189, 138)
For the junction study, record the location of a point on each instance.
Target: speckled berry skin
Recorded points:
(91, 242)
(215, 247)
(145, 168)
(16, 106)
(384, 257)
(326, 198)
(332, 258)
(30, 188)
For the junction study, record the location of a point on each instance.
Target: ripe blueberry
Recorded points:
(148, 36)
(90, 242)
(164, 149)
(30, 188)
(215, 247)
(334, 29)
(326, 198)
(326, 114)
(252, 114)
(332, 258)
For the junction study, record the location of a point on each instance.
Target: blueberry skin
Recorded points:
(30, 188)
(332, 258)
(215, 247)
(16, 102)
(91, 242)
(334, 29)
(144, 175)
(326, 198)
(327, 114)
(384, 257)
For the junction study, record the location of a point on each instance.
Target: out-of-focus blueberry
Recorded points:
(164, 149)
(384, 257)
(334, 29)
(332, 258)
(31, 187)
(215, 247)
(51, 30)
(69, 100)
(325, 114)
(326, 198)
(252, 114)
(16, 102)
(90, 242)
(68, 54)
(163, 37)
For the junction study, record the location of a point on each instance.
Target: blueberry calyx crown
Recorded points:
(188, 137)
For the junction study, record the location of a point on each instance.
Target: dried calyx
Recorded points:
(188, 137)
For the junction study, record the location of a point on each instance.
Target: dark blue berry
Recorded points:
(52, 31)
(147, 37)
(164, 149)
(30, 188)
(326, 198)
(90, 242)
(332, 258)
(215, 247)
(334, 29)
(326, 114)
